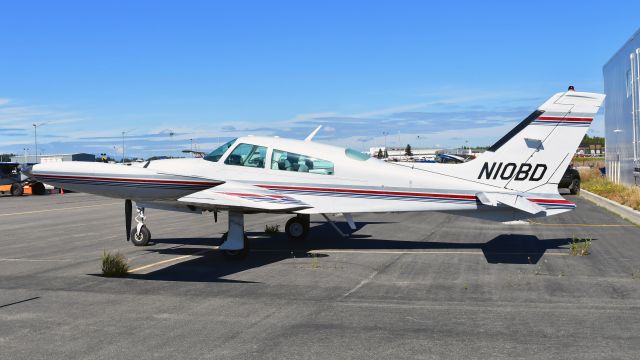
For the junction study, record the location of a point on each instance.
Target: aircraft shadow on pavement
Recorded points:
(212, 266)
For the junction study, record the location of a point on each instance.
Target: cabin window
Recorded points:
(356, 155)
(216, 154)
(247, 155)
(288, 161)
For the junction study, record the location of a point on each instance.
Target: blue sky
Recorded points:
(447, 72)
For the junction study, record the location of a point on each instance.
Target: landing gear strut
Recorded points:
(297, 228)
(235, 240)
(141, 235)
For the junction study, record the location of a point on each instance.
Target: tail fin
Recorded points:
(535, 154)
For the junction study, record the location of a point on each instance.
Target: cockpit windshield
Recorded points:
(216, 154)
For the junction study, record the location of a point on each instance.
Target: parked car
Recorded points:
(570, 180)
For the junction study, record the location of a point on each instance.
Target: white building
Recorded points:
(399, 153)
(622, 113)
(52, 158)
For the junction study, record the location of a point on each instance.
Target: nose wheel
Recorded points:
(141, 237)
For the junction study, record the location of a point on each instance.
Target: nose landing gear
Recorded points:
(140, 236)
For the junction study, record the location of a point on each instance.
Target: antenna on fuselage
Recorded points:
(313, 133)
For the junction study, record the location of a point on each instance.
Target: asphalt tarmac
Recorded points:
(425, 286)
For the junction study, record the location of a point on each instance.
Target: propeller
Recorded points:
(127, 217)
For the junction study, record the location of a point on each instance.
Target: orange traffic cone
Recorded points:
(61, 191)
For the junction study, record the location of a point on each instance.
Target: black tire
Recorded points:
(17, 190)
(141, 239)
(235, 254)
(574, 188)
(38, 189)
(296, 229)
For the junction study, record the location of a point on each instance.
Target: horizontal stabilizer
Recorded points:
(233, 195)
(513, 200)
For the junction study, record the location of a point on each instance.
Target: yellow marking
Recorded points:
(60, 209)
(168, 261)
(582, 225)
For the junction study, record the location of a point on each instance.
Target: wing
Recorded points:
(233, 195)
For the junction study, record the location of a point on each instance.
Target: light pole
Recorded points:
(124, 132)
(385, 139)
(35, 137)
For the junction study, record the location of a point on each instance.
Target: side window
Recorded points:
(288, 161)
(247, 155)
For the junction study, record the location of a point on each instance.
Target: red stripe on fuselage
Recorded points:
(401, 193)
(369, 192)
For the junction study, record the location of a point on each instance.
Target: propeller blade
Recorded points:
(127, 217)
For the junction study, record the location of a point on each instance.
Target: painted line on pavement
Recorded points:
(60, 209)
(167, 261)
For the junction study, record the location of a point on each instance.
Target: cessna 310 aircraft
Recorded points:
(516, 178)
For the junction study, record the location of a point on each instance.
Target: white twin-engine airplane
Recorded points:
(515, 179)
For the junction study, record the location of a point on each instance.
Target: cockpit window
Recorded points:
(247, 155)
(216, 154)
(356, 155)
(288, 161)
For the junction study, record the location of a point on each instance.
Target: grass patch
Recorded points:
(592, 181)
(596, 162)
(580, 247)
(272, 229)
(114, 265)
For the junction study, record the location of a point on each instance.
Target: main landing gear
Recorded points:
(234, 241)
(297, 228)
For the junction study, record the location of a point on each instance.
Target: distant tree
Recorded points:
(386, 153)
(380, 154)
(407, 150)
(589, 140)
(6, 157)
(162, 157)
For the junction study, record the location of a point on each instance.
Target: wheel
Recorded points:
(38, 189)
(16, 190)
(141, 239)
(574, 188)
(235, 254)
(296, 229)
